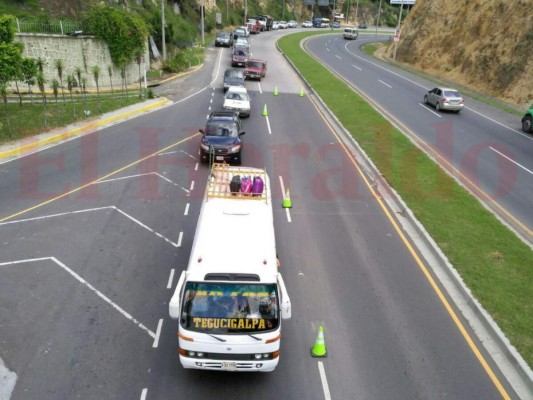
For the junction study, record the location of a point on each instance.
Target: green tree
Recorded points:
(29, 70)
(60, 67)
(110, 72)
(123, 31)
(78, 71)
(40, 64)
(96, 75)
(70, 86)
(41, 81)
(10, 58)
(138, 60)
(84, 94)
(55, 88)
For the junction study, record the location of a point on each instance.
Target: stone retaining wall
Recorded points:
(78, 51)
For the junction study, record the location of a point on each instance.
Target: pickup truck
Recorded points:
(255, 69)
(527, 120)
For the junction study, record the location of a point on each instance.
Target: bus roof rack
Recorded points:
(218, 185)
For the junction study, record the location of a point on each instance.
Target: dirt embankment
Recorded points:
(486, 45)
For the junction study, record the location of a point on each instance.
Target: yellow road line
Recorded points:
(97, 180)
(419, 261)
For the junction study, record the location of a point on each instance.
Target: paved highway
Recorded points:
(483, 147)
(86, 275)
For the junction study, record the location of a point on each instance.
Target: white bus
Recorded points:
(231, 300)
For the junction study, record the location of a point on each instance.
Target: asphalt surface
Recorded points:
(482, 146)
(87, 276)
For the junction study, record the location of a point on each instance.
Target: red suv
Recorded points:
(255, 69)
(239, 57)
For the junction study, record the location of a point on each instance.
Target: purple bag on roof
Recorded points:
(257, 186)
(246, 185)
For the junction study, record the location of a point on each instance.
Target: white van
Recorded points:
(350, 33)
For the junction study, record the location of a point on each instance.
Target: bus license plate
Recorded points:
(220, 158)
(229, 365)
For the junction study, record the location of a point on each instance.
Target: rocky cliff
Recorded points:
(486, 45)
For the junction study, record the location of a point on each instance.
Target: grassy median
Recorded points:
(493, 262)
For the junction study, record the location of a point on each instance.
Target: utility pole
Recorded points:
(356, 9)
(202, 24)
(397, 30)
(245, 11)
(163, 23)
(379, 13)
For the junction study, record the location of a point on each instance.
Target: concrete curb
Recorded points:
(24, 146)
(502, 352)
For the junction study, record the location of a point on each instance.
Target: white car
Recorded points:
(237, 99)
(275, 25)
(282, 24)
(307, 24)
(292, 24)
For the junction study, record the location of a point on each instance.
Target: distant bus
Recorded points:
(321, 23)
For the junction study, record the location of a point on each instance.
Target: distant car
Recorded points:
(239, 32)
(233, 77)
(335, 24)
(237, 100)
(221, 140)
(307, 24)
(255, 69)
(241, 42)
(444, 99)
(239, 56)
(245, 29)
(275, 25)
(282, 24)
(350, 33)
(292, 24)
(362, 26)
(223, 39)
(527, 121)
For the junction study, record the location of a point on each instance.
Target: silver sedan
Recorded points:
(444, 99)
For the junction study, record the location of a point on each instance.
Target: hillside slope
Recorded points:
(486, 45)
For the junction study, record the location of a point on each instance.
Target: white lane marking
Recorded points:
(514, 162)
(324, 380)
(288, 215)
(170, 279)
(144, 393)
(339, 57)
(211, 101)
(196, 166)
(380, 81)
(207, 116)
(186, 209)
(327, 49)
(158, 333)
(209, 108)
(95, 209)
(192, 186)
(138, 175)
(422, 86)
(356, 67)
(283, 195)
(260, 89)
(268, 125)
(431, 111)
(84, 282)
(180, 238)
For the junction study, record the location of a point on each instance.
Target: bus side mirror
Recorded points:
(174, 305)
(285, 301)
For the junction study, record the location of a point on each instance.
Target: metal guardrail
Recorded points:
(54, 26)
